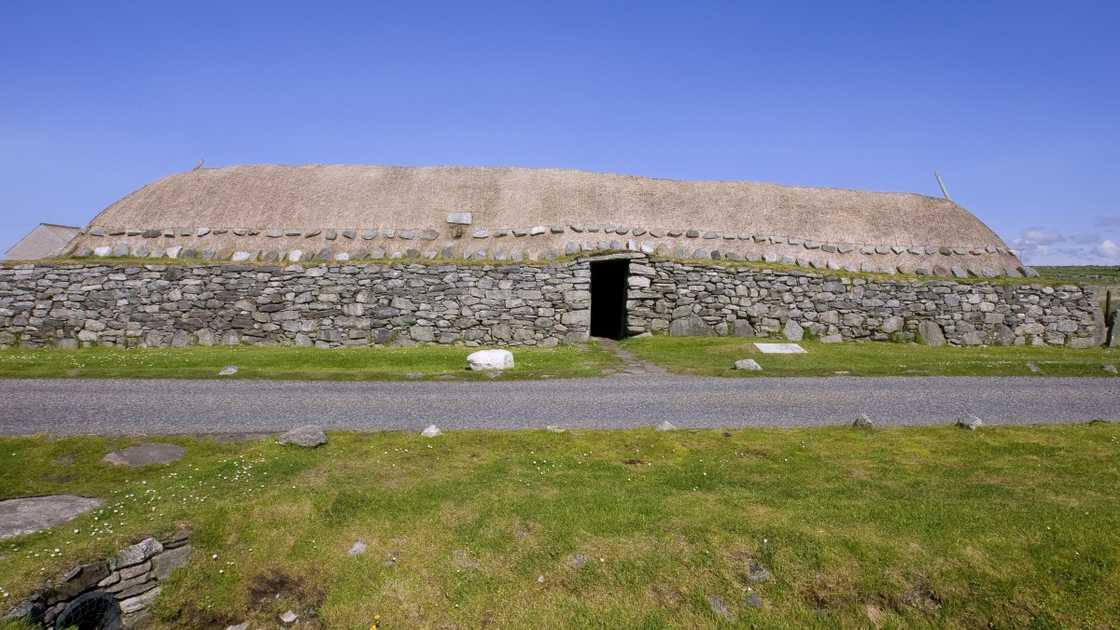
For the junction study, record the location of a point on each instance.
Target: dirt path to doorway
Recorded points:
(632, 365)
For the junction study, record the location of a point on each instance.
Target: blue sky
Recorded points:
(1014, 103)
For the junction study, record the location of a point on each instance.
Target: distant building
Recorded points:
(47, 240)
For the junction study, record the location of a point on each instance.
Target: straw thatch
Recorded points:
(319, 196)
(276, 208)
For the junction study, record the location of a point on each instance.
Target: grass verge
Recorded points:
(343, 364)
(716, 356)
(1003, 527)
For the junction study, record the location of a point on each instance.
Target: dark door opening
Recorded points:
(608, 298)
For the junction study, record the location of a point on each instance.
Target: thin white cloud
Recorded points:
(1045, 246)
(1040, 236)
(1109, 250)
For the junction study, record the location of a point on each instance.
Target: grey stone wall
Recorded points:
(340, 304)
(327, 306)
(131, 577)
(710, 300)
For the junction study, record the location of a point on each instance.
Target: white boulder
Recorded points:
(490, 360)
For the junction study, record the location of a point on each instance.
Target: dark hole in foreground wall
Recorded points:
(608, 298)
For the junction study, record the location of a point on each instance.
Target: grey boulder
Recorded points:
(308, 436)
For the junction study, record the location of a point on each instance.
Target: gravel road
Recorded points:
(108, 407)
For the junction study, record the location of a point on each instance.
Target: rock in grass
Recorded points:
(756, 572)
(241, 626)
(357, 549)
(748, 364)
(577, 560)
(753, 600)
(308, 436)
(490, 360)
(228, 370)
(1033, 367)
(552, 428)
(970, 422)
(666, 426)
(1111, 369)
(431, 431)
(863, 422)
(289, 617)
(715, 602)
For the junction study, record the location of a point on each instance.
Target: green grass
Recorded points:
(909, 527)
(350, 364)
(1088, 274)
(715, 356)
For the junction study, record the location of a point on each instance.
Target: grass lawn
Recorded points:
(716, 356)
(343, 364)
(935, 527)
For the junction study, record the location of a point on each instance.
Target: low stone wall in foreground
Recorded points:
(132, 578)
(340, 304)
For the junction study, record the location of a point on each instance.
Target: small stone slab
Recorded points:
(748, 364)
(666, 426)
(228, 370)
(31, 514)
(358, 548)
(146, 454)
(779, 348)
(431, 431)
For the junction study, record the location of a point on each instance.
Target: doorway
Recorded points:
(608, 298)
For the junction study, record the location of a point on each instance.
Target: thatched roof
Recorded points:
(269, 211)
(321, 196)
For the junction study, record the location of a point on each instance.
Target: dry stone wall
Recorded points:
(335, 304)
(326, 306)
(685, 299)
